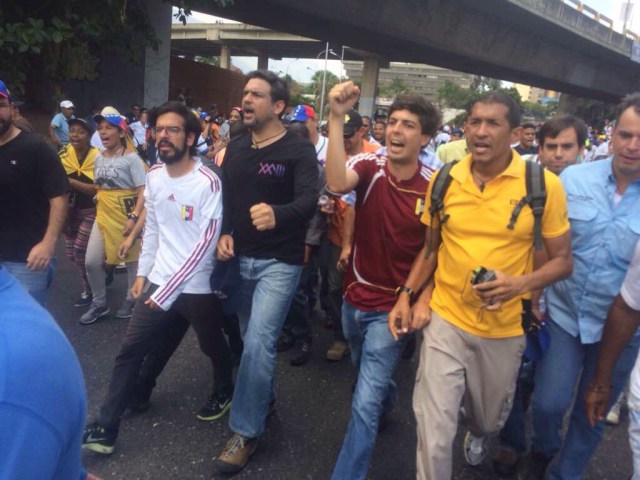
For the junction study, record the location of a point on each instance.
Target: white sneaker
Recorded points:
(475, 448)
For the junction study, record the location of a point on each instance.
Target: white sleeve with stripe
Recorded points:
(150, 236)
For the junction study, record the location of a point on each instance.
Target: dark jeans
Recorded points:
(334, 311)
(298, 324)
(155, 331)
(512, 435)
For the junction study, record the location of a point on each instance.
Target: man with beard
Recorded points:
(183, 200)
(33, 203)
(270, 194)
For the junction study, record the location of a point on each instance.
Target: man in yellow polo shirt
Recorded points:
(474, 340)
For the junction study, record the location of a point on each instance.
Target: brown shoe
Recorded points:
(337, 351)
(236, 454)
(505, 462)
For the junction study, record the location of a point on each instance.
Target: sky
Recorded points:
(302, 70)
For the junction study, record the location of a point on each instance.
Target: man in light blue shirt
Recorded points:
(603, 204)
(59, 128)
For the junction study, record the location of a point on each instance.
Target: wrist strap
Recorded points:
(407, 290)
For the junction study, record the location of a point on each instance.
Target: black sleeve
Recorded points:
(52, 177)
(305, 198)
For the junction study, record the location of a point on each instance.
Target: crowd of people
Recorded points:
(503, 249)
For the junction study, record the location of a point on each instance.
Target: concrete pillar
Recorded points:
(369, 85)
(263, 61)
(225, 56)
(156, 63)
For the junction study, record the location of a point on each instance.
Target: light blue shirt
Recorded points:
(603, 237)
(61, 130)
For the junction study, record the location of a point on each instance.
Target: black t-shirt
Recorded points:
(526, 151)
(283, 175)
(30, 175)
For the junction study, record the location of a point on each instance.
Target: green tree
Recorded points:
(66, 39)
(209, 60)
(393, 87)
(452, 95)
(593, 112)
(315, 86)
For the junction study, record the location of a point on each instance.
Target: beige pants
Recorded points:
(457, 367)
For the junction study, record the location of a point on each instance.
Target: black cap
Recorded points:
(352, 121)
(82, 122)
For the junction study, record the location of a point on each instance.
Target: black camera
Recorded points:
(482, 275)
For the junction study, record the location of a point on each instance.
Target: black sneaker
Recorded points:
(94, 313)
(284, 342)
(99, 439)
(217, 405)
(84, 301)
(302, 357)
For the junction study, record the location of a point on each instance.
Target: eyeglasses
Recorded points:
(349, 135)
(169, 130)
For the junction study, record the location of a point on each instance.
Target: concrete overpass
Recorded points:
(226, 39)
(545, 43)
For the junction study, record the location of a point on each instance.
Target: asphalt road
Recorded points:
(302, 438)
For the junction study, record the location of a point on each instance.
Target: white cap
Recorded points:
(446, 128)
(67, 104)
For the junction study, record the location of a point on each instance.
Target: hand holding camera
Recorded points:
(494, 287)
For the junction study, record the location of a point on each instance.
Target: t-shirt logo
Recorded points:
(186, 212)
(419, 206)
(273, 169)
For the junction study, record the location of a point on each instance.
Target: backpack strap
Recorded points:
(536, 197)
(440, 185)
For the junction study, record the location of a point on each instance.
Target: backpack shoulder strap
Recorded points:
(440, 185)
(535, 197)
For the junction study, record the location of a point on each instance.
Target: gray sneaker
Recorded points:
(126, 310)
(475, 449)
(94, 313)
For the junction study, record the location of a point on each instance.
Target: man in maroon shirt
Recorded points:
(387, 236)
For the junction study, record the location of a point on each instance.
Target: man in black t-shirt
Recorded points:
(33, 203)
(270, 193)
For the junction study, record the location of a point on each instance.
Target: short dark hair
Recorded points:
(427, 113)
(552, 128)
(135, 105)
(528, 125)
(279, 86)
(300, 129)
(191, 122)
(496, 96)
(630, 100)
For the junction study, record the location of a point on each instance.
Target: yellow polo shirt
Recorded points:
(448, 152)
(476, 234)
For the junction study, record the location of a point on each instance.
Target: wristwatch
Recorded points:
(407, 290)
(133, 216)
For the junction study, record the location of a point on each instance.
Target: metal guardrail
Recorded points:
(598, 17)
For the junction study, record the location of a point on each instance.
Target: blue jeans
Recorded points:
(566, 362)
(36, 282)
(266, 289)
(375, 353)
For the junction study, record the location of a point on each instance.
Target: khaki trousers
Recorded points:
(459, 368)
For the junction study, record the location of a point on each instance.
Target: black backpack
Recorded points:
(536, 197)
